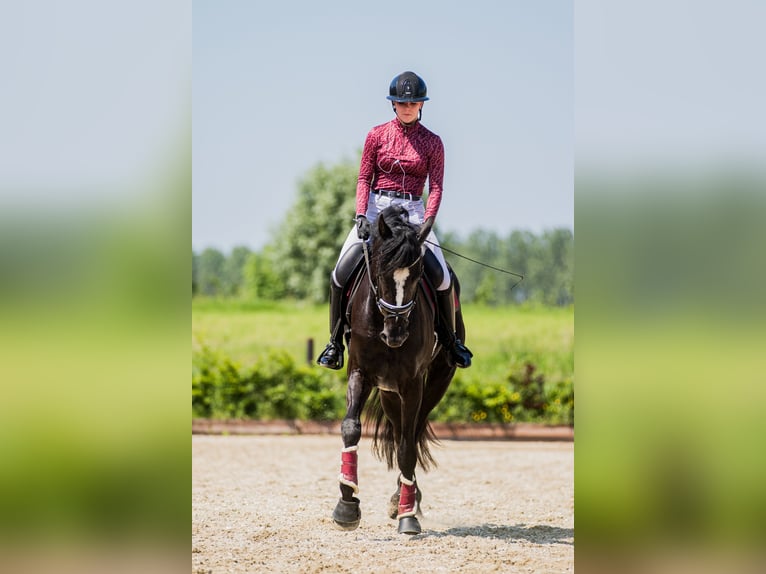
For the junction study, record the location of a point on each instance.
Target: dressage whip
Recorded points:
(519, 275)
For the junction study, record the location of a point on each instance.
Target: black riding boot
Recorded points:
(332, 356)
(446, 330)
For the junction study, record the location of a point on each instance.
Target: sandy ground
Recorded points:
(264, 504)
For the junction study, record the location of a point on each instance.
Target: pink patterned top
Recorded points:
(401, 158)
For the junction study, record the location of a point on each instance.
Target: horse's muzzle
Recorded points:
(395, 322)
(396, 336)
(393, 342)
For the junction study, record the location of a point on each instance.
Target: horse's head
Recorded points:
(395, 269)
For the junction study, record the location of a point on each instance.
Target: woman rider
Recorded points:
(397, 158)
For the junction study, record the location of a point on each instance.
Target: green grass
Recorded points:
(246, 331)
(503, 339)
(509, 337)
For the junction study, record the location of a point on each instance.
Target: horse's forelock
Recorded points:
(401, 248)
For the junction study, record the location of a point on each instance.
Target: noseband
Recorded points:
(390, 311)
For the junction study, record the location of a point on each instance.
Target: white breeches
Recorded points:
(416, 210)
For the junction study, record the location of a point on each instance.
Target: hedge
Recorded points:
(275, 387)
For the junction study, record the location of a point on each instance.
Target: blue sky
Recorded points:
(97, 98)
(280, 87)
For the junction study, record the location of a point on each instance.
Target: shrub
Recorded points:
(523, 397)
(272, 388)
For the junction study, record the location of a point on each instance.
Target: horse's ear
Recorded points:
(425, 229)
(383, 229)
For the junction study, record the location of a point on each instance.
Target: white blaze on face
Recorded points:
(400, 279)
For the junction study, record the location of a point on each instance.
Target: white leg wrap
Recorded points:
(414, 510)
(352, 474)
(348, 483)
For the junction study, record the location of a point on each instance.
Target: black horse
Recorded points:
(393, 351)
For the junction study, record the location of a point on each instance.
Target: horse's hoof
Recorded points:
(409, 525)
(347, 514)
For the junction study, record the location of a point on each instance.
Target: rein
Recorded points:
(519, 275)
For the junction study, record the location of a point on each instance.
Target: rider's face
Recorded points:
(407, 112)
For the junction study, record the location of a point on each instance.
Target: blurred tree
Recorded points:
(539, 273)
(211, 262)
(518, 254)
(561, 247)
(481, 245)
(307, 244)
(546, 261)
(260, 281)
(551, 267)
(486, 290)
(195, 273)
(232, 271)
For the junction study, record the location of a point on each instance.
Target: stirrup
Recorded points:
(462, 354)
(332, 356)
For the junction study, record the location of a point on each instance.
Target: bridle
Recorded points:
(388, 310)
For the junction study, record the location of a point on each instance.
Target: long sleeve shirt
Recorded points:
(401, 158)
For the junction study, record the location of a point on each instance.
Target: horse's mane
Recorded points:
(401, 248)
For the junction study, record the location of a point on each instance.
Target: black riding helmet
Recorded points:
(407, 87)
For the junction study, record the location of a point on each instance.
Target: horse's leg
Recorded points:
(407, 457)
(392, 406)
(347, 514)
(440, 375)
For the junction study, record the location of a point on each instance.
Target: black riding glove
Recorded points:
(362, 227)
